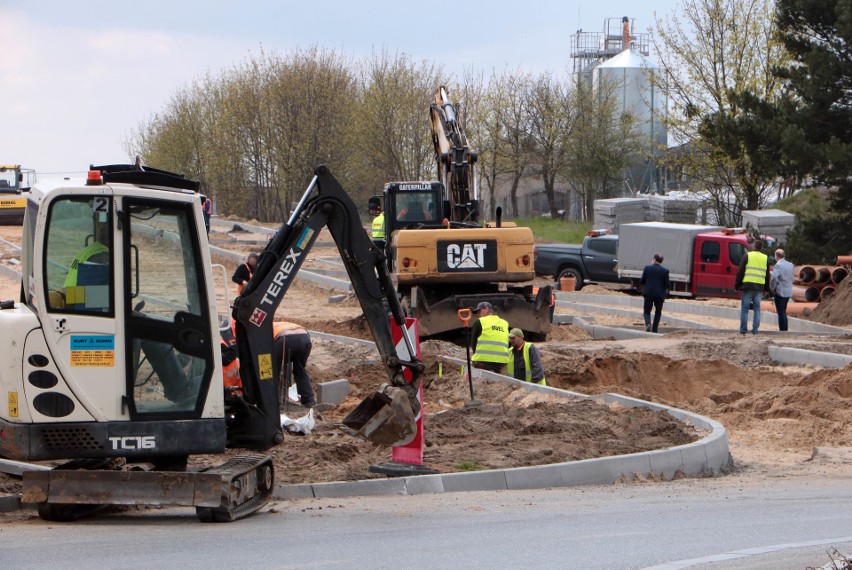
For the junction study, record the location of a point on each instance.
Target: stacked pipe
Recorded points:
(815, 283)
(812, 284)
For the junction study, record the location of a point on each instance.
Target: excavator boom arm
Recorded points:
(456, 162)
(324, 204)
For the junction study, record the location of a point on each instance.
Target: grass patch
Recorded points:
(547, 230)
(469, 466)
(807, 203)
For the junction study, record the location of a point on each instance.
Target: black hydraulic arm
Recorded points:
(324, 204)
(455, 159)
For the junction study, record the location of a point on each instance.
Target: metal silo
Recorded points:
(636, 81)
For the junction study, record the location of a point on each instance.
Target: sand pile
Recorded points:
(837, 309)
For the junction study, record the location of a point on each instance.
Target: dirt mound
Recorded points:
(650, 376)
(774, 407)
(356, 327)
(512, 428)
(837, 309)
(813, 412)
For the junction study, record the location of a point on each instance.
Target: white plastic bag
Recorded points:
(303, 425)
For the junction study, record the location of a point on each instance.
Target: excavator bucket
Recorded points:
(384, 417)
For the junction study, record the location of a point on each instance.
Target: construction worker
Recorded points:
(231, 362)
(207, 210)
(244, 272)
(378, 230)
(490, 340)
(525, 359)
(753, 280)
(96, 253)
(293, 345)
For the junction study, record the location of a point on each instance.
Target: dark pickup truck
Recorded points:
(593, 261)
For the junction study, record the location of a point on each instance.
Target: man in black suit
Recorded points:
(655, 288)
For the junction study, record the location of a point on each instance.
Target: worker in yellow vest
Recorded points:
(753, 280)
(490, 336)
(95, 254)
(378, 230)
(525, 359)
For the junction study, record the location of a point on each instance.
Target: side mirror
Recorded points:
(374, 205)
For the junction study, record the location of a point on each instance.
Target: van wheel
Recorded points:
(571, 272)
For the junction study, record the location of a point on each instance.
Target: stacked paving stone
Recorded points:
(775, 223)
(611, 213)
(672, 209)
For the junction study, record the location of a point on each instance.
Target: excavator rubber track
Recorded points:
(249, 479)
(225, 493)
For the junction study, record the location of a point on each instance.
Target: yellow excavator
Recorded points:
(113, 360)
(444, 256)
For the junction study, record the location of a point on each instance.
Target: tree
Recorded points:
(818, 139)
(510, 125)
(392, 135)
(604, 142)
(715, 49)
(551, 122)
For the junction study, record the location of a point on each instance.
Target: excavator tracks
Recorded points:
(225, 493)
(249, 480)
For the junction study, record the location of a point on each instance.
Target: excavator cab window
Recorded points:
(9, 178)
(78, 254)
(416, 207)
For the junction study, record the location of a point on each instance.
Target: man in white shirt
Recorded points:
(781, 287)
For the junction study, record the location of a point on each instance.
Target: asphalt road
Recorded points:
(784, 523)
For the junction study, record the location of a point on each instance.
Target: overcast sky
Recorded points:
(76, 77)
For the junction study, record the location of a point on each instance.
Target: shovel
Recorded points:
(464, 317)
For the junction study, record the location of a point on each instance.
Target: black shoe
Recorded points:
(647, 328)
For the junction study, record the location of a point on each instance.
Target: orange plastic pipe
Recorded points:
(844, 260)
(805, 294)
(839, 274)
(806, 273)
(826, 292)
(823, 273)
(802, 309)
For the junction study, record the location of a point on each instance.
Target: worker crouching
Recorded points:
(525, 359)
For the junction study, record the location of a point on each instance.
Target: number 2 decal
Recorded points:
(100, 204)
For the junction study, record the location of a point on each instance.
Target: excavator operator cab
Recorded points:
(413, 204)
(119, 264)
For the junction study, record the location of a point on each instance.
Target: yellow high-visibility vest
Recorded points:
(527, 367)
(379, 226)
(755, 271)
(493, 344)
